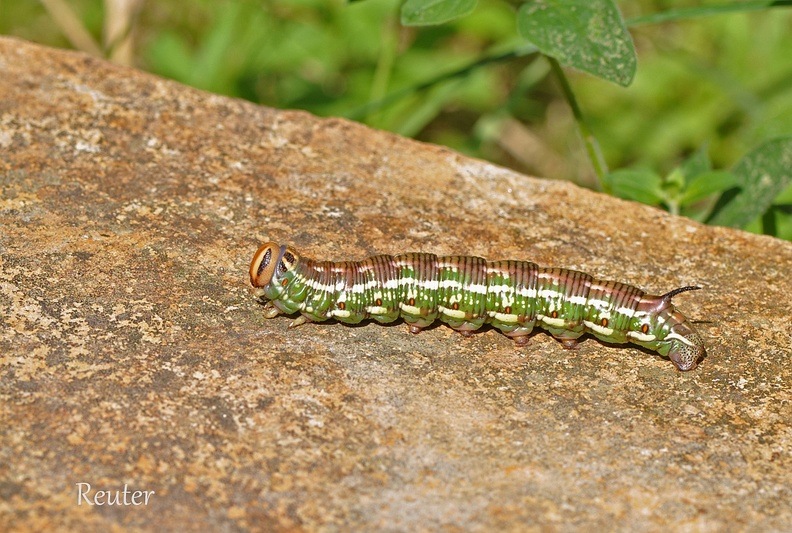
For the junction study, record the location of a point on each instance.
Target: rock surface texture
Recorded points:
(132, 353)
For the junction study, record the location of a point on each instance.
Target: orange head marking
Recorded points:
(262, 268)
(270, 262)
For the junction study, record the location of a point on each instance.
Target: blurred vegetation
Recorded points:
(703, 128)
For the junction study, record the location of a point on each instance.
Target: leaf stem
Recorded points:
(382, 72)
(589, 140)
(361, 112)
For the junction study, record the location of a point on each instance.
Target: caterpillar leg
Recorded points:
(569, 344)
(302, 319)
(417, 325)
(520, 340)
(270, 311)
(568, 339)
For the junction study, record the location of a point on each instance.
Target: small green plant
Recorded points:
(591, 36)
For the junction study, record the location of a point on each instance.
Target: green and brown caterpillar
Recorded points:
(467, 292)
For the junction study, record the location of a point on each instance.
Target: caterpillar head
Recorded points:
(270, 262)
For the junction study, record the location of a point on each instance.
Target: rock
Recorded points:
(135, 359)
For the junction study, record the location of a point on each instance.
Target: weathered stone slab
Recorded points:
(132, 353)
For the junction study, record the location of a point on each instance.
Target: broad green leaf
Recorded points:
(429, 12)
(636, 184)
(762, 175)
(588, 35)
(706, 184)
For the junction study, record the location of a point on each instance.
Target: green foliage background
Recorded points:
(707, 91)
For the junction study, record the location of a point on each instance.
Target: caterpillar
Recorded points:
(467, 292)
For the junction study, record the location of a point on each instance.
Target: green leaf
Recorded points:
(641, 185)
(588, 35)
(673, 183)
(706, 184)
(697, 163)
(430, 12)
(762, 175)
